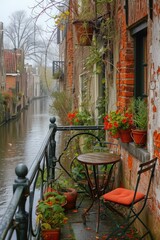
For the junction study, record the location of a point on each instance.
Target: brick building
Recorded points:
(131, 68)
(2, 71)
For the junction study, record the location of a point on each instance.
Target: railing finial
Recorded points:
(52, 120)
(21, 171)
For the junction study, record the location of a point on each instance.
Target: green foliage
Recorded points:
(50, 213)
(61, 19)
(78, 171)
(55, 197)
(119, 119)
(58, 74)
(140, 113)
(98, 53)
(95, 57)
(61, 105)
(86, 10)
(80, 118)
(62, 183)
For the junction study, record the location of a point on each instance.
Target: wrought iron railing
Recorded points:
(18, 222)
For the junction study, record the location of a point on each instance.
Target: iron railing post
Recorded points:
(21, 216)
(52, 149)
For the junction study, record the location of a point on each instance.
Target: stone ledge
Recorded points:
(139, 153)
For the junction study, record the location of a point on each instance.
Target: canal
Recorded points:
(20, 141)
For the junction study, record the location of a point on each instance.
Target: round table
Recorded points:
(99, 168)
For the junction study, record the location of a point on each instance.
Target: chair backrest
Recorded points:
(145, 167)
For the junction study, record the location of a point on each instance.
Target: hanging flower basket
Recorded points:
(84, 31)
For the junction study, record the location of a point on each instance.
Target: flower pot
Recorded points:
(116, 135)
(84, 32)
(71, 196)
(53, 234)
(139, 137)
(125, 135)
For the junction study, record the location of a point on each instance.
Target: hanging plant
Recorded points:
(61, 19)
(84, 32)
(95, 57)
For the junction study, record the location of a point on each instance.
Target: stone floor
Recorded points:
(76, 230)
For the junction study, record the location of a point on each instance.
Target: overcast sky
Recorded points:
(10, 6)
(7, 7)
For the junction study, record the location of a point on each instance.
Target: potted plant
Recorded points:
(140, 120)
(57, 197)
(50, 216)
(84, 22)
(119, 124)
(80, 118)
(86, 15)
(65, 187)
(84, 32)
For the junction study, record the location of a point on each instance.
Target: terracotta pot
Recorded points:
(125, 135)
(116, 136)
(53, 234)
(71, 196)
(139, 137)
(84, 32)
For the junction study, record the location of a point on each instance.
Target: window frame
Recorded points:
(139, 34)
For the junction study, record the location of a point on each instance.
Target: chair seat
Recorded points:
(123, 196)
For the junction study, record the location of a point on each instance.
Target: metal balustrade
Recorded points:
(18, 222)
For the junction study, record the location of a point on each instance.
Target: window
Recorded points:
(140, 45)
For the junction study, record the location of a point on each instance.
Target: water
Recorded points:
(20, 141)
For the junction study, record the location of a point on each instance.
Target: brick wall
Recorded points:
(69, 53)
(125, 65)
(10, 82)
(138, 10)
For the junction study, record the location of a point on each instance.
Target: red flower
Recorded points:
(119, 119)
(124, 120)
(116, 124)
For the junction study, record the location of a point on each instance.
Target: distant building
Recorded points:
(2, 70)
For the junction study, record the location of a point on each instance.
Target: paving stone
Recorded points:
(76, 230)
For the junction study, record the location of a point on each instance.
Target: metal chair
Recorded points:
(127, 199)
(77, 174)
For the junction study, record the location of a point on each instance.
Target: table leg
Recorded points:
(98, 216)
(97, 213)
(85, 213)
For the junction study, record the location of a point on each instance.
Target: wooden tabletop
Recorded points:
(98, 158)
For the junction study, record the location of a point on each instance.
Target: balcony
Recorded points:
(19, 220)
(58, 70)
(76, 230)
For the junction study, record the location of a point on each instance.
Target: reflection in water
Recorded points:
(20, 141)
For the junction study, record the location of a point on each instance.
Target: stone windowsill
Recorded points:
(139, 153)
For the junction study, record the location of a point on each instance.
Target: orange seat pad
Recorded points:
(122, 196)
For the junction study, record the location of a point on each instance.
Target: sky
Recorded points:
(10, 6)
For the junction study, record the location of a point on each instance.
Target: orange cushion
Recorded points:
(122, 196)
